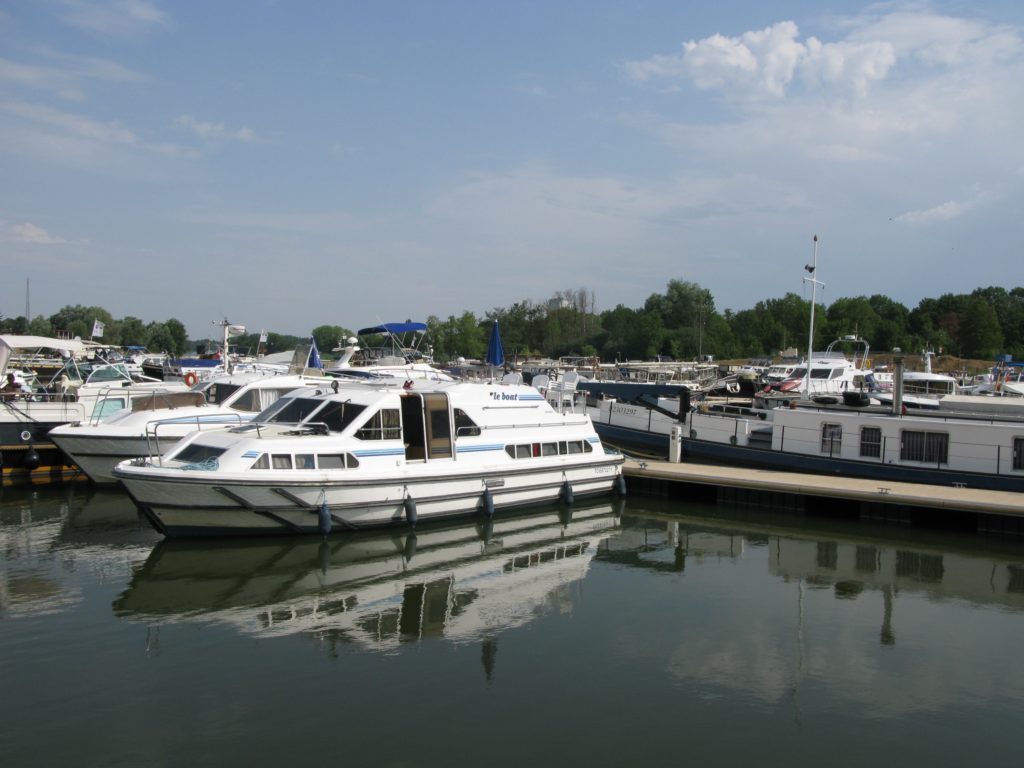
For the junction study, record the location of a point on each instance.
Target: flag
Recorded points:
(235, 330)
(97, 329)
(314, 355)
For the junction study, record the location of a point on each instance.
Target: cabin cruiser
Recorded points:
(399, 355)
(831, 372)
(158, 422)
(357, 455)
(78, 391)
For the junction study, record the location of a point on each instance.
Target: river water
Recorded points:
(637, 632)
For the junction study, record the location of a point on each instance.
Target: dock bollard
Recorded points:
(675, 444)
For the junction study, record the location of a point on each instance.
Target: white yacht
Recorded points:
(356, 455)
(156, 424)
(77, 391)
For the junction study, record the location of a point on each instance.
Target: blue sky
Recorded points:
(295, 164)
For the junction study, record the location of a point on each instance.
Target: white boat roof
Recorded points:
(11, 342)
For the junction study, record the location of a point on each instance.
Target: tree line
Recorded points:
(680, 323)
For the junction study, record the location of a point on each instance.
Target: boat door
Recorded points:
(426, 426)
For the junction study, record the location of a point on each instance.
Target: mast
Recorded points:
(811, 268)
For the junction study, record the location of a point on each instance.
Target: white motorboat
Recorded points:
(157, 423)
(358, 455)
(78, 391)
(399, 356)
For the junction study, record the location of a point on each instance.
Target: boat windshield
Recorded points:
(335, 414)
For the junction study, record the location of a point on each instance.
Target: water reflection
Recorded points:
(854, 613)
(48, 536)
(465, 582)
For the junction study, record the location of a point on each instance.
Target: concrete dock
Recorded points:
(1000, 510)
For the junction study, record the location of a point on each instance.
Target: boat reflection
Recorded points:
(52, 536)
(848, 557)
(465, 582)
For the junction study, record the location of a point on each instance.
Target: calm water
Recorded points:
(645, 633)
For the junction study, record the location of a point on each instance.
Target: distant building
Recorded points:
(559, 303)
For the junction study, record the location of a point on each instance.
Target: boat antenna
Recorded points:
(811, 268)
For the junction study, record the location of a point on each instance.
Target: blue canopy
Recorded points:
(495, 352)
(394, 328)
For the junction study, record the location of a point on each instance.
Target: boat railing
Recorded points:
(202, 422)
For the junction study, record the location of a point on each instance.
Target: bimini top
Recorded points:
(9, 343)
(394, 328)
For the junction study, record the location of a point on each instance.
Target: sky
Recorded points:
(288, 165)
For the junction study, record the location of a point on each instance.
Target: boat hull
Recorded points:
(196, 506)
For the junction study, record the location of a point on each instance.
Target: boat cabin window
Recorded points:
(107, 406)
(218, 393)
(465, 426)
(831, 439)
(195, 453)
(383, 425)
(928, 447)
(562, 448)
(292, 410)
(338, 415)
(1018, 453)
(305, 461)
(871, 442)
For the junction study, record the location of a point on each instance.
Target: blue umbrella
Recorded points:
(495, 352)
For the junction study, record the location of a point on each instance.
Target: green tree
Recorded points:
(980, 333)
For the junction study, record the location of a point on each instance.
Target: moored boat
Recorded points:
(357, 455)
(157, 423)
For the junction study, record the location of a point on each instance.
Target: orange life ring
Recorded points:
(190, 378)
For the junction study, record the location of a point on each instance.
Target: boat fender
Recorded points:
(409, 550)
(732, 439)
(31, 458)
(693, 434)
(565, 515)
(324, 521)
(620, 485)
(190, 379)
(410, 510)
(567, 496)
(488, 502)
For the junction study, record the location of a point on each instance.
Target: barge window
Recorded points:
(281, 461)
(831, 438)
(871, 442)
(304, 461)
(1018, 453)
(929, 447)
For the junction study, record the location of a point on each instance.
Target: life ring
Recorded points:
(190, 378)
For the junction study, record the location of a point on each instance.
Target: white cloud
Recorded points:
(947, 211)
(764, 63)
(116, 18)
(206, 130)
(30, 233)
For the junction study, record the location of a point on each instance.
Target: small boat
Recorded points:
(357, 455)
